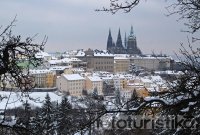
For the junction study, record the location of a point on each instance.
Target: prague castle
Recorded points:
(129, 47)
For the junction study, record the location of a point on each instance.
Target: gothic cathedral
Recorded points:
(129, 47)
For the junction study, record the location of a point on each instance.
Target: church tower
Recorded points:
(132, 44)
(119, 49)
(131, 40)
(119, 40)
(110, 44)
(129, 47)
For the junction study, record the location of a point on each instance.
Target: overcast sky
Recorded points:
(73, 24)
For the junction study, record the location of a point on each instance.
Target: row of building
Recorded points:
(97, 60)
(106, 83)
(93, 61)
(102, 60)
(87, 70)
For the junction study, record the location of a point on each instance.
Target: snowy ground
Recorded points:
(16, 99)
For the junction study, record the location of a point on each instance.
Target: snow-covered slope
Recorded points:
(16, 99)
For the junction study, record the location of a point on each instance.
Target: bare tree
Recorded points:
(13, 52)
(184, 92)
(188, 10)
(116, 5)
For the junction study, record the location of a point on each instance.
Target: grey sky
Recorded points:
(73, 24)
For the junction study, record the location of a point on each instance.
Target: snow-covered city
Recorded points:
(109, 67)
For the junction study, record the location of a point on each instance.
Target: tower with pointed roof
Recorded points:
(110, 43)
(132, 43)
(119, 49)
(119, 40)
(129, 47)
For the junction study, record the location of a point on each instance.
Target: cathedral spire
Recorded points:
(131, 33)
(109, 33)
(125, 41)
(109, 41)
(119, 40)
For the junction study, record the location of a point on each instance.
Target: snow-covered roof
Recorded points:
(118, 76)
(53, 62)
(40, 71)
(70, 53)
(136, 84)
(73, 77)
(78, 69)
(64, 60)
(54, 58)
(128, 76)
(146, 80)
(75, 59)
(121, 58)
(94, 78)
(122, 55)
(153, 89)
(67, 60)
(80, 53)
(103, 53)
(169, 72)
(156, 78)
(151, 57)
(59, 68)
(106, 78)
(42, 54)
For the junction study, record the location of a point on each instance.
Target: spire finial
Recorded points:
(131, 30)
(109, 31)
(119, 33)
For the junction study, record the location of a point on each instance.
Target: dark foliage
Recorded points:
(64, 119)
(14, 51)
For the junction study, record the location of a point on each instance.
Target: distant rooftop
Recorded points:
(73, 77)
(96, 52)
